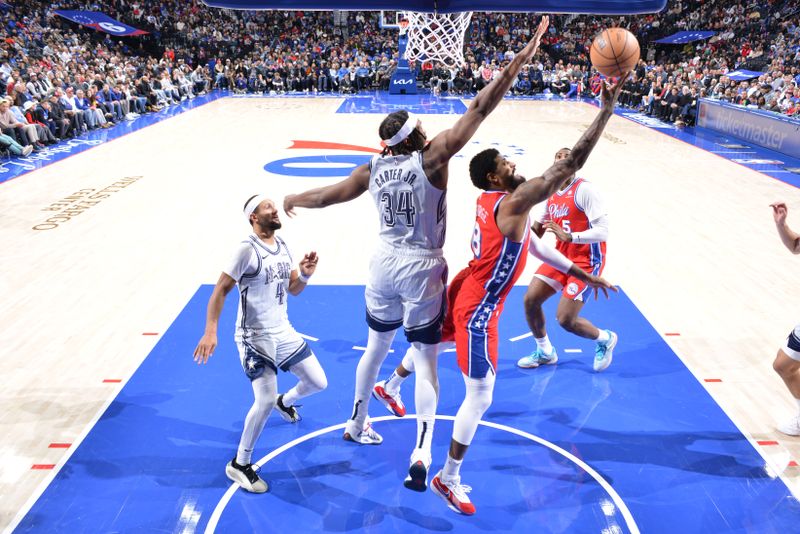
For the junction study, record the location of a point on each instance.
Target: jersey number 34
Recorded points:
(398, 206)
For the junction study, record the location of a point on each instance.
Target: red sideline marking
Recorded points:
(43, 467)
(792, 464)
(112, 381)
(712, 380)
(149, 333)
(767, 442)
(672, 334)
(59, 446)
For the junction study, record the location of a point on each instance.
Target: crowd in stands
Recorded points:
(60, 79)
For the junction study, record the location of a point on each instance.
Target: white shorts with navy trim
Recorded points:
(409, 291)
(272, 349)
(792, 347)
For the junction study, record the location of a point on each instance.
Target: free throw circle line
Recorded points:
(623, 508)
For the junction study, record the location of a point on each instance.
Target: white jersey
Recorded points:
(262, 273)
(412, 211)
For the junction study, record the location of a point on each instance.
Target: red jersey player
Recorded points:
(499, 244)
(576, 215)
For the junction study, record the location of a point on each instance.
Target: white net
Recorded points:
(437, 36)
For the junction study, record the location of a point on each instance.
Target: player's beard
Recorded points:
(270, 224)
(514, 181)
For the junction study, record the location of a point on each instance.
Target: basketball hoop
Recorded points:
(436, 36)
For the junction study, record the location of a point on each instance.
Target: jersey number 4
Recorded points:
(398, 206)
(280, 293)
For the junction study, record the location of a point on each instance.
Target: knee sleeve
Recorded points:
(311, 375)
(477, 400)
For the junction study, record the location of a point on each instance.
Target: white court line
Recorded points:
(731, 152)
(523, 336)
(573, 350)
(623, 508)
(449, 350)
(310, 338)
(769, 171)
(356, 347)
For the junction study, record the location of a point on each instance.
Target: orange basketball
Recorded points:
(614, 52)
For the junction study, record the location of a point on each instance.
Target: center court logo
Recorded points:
(321, 165)
(341, 165)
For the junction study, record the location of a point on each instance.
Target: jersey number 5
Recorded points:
(398, 206)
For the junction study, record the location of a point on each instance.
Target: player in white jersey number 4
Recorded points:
(263, 269)
(408, 272)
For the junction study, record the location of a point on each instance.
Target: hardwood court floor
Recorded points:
(692, 243)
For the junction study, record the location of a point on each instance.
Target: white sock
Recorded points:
(312, 380)
(543, 344)
(425, 432)
(798, 404)
(369, 365)
(265, 392)
(426, 391)
(452, 469)
(394, 382)
(602, 336)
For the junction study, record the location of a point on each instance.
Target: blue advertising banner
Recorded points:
(686, 37)
(101, 22)
(741, 74)
(770, 130)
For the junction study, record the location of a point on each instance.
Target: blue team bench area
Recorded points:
(639, 447)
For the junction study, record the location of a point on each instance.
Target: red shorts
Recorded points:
(471, 321)
(571, 288)
(448, 328)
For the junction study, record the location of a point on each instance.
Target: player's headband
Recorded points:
(404, 132)
(252, 204)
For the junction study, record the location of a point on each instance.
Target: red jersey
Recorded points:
(498, 261)
(565, 208)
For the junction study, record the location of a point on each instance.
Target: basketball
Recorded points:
(614, 52)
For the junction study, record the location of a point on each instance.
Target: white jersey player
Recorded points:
(262, 267)
(787, 361)
(408, 272)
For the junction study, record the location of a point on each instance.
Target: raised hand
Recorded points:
(309, 263)
(541, 30)
(779, 212)
(610, 93)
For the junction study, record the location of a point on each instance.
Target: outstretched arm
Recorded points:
(449, 142)
(538, 189)
(205, 348)
(788, 236)
(344, 191)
